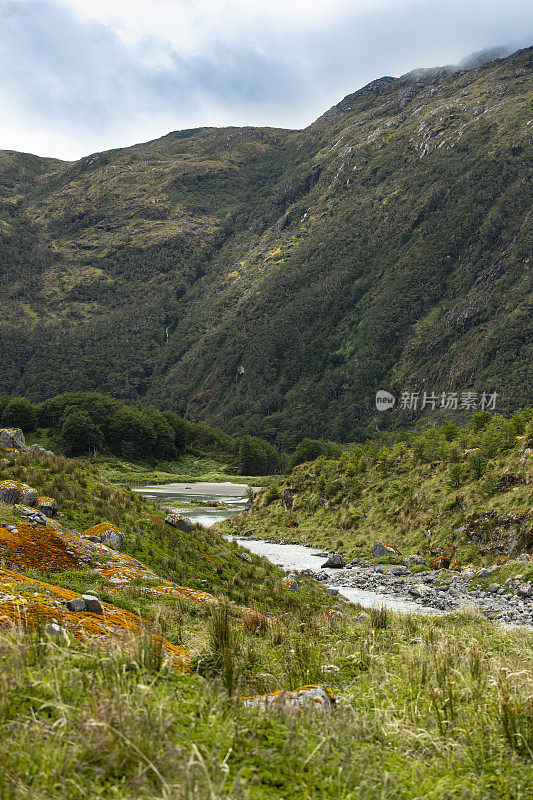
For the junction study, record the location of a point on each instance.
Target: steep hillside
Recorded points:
(385, 246)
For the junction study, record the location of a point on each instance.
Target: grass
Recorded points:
(433, 708)
(182, 470)
(340, 510)
(438, 708)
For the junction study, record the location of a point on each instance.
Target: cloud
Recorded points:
(82, 76)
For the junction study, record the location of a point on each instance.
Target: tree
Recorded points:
(79, 434)
(19, 413)
(257, 457)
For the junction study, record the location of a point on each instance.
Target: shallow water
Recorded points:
(177, 495)
(299, 557)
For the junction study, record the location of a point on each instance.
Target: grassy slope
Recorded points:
(394, 499)
(433, 708)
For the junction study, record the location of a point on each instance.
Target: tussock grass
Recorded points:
(427, 708)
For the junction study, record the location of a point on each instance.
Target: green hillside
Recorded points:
(385, 246)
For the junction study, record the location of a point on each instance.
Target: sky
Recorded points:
(80, 76)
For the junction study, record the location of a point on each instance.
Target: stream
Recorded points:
(179, 496)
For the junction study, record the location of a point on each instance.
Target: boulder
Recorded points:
(105, 533)
(92, 604)
(12, 438)
(413, 560)
(179, 522)
(319, 696)
(12, 492)
(46, 505)
(335, 561)
(76, 604)
(36, 448)
(381, 550)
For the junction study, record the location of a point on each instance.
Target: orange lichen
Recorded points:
(50, 548)
(29, 603)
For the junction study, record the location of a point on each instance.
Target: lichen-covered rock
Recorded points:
(46, 505)
(318, 696)
(105, 533)
(36, 448)
(381, 550)
(92, 604)
(440, 562)
(179, 521)
(12, 438)
(12, 492)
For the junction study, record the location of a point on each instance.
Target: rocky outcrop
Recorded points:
(12, 492)
(12, 438)
(46, 505)
(105, 533)
(178, 521)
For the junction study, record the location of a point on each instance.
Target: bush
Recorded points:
(19, 413)
(257, 457)
(79, 434)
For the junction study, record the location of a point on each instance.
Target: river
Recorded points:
(290, 557)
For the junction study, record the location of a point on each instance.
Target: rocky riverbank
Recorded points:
(503, 592)
(509, 601)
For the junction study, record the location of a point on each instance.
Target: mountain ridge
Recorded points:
(383, 246)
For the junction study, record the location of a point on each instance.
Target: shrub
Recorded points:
(19, 413)
(79, 434)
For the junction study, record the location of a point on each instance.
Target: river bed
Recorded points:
(287, 556)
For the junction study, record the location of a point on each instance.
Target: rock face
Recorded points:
(105, 533)
(180, 522)
(381, 550)
(335, 560)
(12, 437)
(12, 492)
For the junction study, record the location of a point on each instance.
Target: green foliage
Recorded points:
(79, 434)
(19, 413)
(310, 449)
(257, 457)
(153, 273)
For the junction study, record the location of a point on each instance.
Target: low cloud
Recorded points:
(80, 77)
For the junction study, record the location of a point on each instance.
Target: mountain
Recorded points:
(387, 246)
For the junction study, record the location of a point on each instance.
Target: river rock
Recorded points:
(420, 590)
(179, 522)
(381, 550)
(414, 560)
(12, 438)
(335, 560)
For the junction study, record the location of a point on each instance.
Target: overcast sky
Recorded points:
(78, 76)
